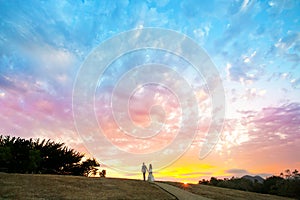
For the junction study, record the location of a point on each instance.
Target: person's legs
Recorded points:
(144, 175)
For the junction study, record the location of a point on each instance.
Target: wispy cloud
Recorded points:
(237, 171)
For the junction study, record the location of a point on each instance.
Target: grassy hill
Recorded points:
(35, 186)
(224, 193)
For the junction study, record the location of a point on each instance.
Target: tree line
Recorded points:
(287, 184)
(19, 155)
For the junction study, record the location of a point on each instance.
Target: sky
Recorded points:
(157, 82)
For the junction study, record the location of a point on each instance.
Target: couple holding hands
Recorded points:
(150, 175)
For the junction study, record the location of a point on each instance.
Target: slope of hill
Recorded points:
(33, 186)
(258, 179)
(213, 192)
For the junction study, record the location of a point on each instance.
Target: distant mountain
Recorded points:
(258, 179)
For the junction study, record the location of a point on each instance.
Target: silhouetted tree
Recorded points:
(288, 173)
(18, 155)
(276, 185)
(89, 167)
(295, 173)
(204, 182)
(272, 184)
(102, 173)
(214, 181)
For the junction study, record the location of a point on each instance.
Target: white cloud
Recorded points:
(281, 135)
(244, 5)
(2, 94)
(202, 32)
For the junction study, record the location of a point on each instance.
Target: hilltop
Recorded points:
(38, 186)
(254, 179)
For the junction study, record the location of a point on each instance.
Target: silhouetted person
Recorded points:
(144, 170)
(150, 176)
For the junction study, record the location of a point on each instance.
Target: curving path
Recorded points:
(179, 193)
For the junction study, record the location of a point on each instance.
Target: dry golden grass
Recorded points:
(225, 193)
(33, 186)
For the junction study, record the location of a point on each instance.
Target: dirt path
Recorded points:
(180, 193)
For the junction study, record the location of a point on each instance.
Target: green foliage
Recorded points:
(272, 184)
(237, 183)
(289, 187)
(214, 181)
(204, 182)
(276, 185)
(19, 155)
